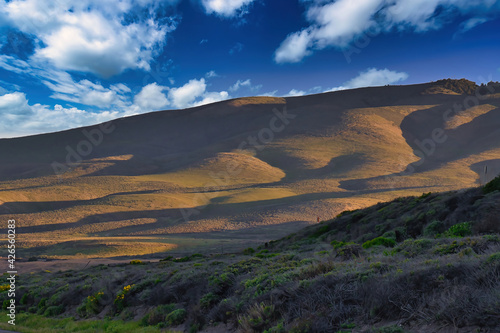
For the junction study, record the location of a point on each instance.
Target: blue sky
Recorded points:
(71, 63)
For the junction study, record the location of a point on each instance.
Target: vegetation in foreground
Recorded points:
(411, 265)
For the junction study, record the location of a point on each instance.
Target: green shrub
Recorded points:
(157, 315)
(425, 195)
(208, 300)
(120, 301)
(91, 305)
(433, 228)
(183, 259)
(42, 303)
(494, 258)
(320, 231)
(459, 230)
(52, 311)
(387, 242)
(169, 258)
(24, 299)
(249, 251)
(176, 317)
(492, 186)
(338, 244)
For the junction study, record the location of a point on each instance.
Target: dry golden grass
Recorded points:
(257, 100)
(340, 152)
(468, 116)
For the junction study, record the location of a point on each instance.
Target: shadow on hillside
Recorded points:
(486, 170)
(461, 142)
(28, 207)
(173, 216)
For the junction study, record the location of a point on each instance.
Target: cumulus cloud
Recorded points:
(212, 97)
(294, 47)
(184, 96)
(100, 37)
(19, 118)
(336, 23)
(151, 98)
(14, 104)
(373, 77)
(194, 93)
(226, 8)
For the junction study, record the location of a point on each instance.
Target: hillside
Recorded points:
(416, 264)
(240, 172)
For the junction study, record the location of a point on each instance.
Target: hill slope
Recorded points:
(416, 264)
(209, 175)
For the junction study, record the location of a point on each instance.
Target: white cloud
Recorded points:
(295, 92)
(212, 97)
(269, 93)
(184, 96)
(245, 83)
(294, 47)
(239, 84)
(472, 23)
(226, 8)
(85, 91)
(19, 118)
(373, 77)
(89, 35)
(338, 23)
(151, 98)
(14, 104)
(211, 74)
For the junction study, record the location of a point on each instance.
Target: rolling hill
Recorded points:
(239, 172)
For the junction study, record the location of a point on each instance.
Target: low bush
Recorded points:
(52, 311)
(176, 317)
(459, 230)
(91, 305)
(248, 251)
(434, 228)
(492, 186)
(387, 242)
(157, 315)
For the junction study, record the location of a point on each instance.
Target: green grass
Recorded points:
(32, 323)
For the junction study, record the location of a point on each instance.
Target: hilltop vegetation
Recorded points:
(414, 264)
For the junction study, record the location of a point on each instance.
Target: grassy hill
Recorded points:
(241, 172)
(429, 263)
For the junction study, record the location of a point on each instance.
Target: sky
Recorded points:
(73, 63)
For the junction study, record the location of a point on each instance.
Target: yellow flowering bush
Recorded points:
(91, 305)
(120, 297)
